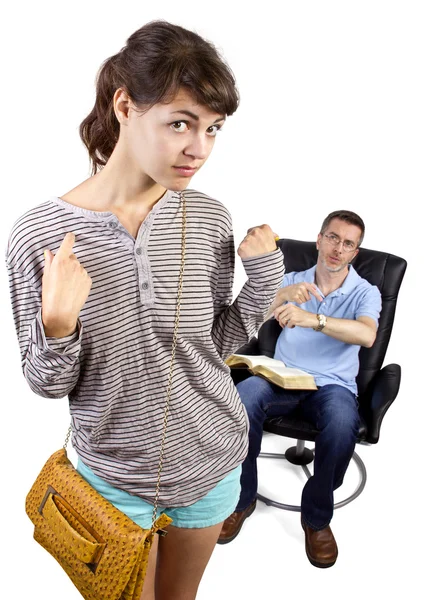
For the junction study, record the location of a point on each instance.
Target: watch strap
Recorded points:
(322, 322)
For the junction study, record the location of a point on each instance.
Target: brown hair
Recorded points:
(344, 215)
(157, 60)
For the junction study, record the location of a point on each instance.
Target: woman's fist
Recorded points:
(259, 240)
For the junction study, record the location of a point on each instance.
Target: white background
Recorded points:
(332, 116)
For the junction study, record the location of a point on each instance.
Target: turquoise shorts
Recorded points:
(210, 510)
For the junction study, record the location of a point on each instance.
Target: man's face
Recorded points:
(338, 245)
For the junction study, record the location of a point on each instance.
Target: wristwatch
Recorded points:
(322, 322)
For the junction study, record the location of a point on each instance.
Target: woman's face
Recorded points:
(170, 142)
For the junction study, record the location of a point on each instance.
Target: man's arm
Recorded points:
(360, 331)
(296, 292)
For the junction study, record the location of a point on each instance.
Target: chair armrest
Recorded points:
(383, 391)
(251, 348)
(238, 374)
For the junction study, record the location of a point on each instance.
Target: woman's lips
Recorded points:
(185, 171)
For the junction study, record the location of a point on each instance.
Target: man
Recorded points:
(327, 313)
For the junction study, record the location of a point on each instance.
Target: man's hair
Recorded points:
(344, 215)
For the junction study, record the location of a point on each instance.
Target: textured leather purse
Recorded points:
(102, 550)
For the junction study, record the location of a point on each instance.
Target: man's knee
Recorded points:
(343, 425)
(253, 391)
(339, 413)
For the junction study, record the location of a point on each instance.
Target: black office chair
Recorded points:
(377, 386)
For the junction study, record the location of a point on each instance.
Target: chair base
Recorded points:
(301, 456)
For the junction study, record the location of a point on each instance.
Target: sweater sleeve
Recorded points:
(237, 322)
(51, 366)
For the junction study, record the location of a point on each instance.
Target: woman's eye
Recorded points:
(213, 130)
(179, 126)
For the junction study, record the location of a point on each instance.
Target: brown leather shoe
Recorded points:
(231, 527)
(321, 547)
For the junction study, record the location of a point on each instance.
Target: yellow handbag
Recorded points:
(102, 550)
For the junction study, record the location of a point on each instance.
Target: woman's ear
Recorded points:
(122, 104)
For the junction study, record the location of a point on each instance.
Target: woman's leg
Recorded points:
(148, 592)
(177, 561)
(183, 555)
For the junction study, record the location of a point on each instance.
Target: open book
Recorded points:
(273, 370)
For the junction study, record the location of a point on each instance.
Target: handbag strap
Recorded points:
(172, 361)
(171, 370)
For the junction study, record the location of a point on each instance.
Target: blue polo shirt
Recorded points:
(327, 359)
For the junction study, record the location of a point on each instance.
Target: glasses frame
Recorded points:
(336, 244)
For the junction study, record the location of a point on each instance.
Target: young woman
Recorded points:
(94, 278)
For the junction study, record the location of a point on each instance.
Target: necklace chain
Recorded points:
(172, 363)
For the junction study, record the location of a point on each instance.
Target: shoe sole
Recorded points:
(230, 539)
(318, 564)
(314, 562)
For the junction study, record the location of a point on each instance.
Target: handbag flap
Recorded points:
(102, 550)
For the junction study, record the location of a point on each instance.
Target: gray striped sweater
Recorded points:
(115, 368)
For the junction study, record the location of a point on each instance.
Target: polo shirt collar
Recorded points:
(351, 281)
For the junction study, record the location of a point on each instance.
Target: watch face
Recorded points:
(322, 322)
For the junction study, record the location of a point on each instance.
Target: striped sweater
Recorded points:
(115, 367)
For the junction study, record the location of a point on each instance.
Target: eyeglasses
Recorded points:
(334, 240)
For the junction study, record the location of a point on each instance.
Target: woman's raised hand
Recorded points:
(65, 288)
(259, 240)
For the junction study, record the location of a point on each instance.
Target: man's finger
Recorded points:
(282, 314)
(65, 249)
(304, 292)
(315, 292)
(277, 314)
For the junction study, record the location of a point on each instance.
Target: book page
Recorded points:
(287, 378)
(272, 363)
(289, 372)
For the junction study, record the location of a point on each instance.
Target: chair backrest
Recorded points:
(379, 268)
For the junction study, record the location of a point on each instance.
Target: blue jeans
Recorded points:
(333, 410)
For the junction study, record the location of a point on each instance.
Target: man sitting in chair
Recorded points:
(327, 313)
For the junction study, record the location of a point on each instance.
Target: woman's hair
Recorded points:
(349, 217)
(157, 60)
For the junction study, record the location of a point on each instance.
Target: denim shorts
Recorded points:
(210, 510)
